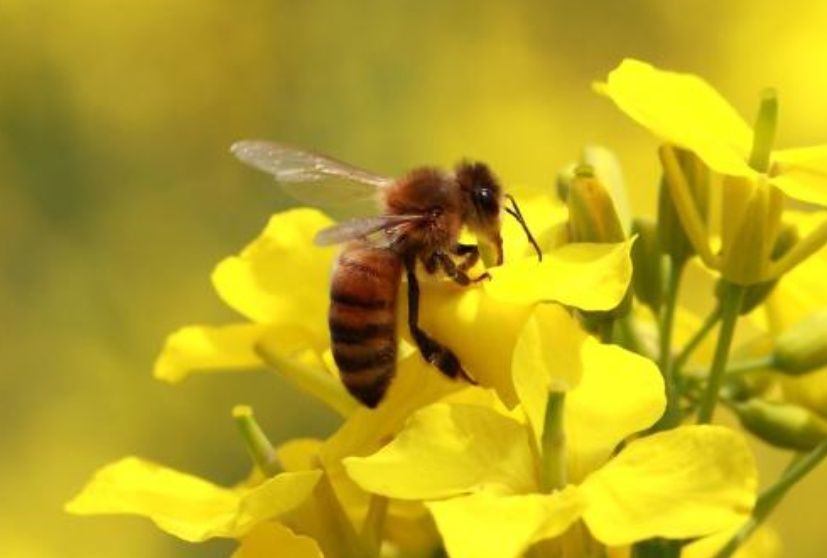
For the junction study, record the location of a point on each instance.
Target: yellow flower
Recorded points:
(273, 539)
(685, 111)
(279, 283)
(479, 469)
(189, 507)
(281, 280)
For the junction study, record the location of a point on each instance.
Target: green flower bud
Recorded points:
(646, 259)
(781, 424)
(758, 293)
(592, 215)
(671, 234)
(803, 347)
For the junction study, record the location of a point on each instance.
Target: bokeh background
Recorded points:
(118, 195)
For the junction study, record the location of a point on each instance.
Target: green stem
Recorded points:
(656, 548)
(671, 416)
(771, 497)
(554, 443)
(629, 338)
(606, 330)
(733, 296)
(750, 365)
(683, 356)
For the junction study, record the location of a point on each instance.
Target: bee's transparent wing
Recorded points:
(309, 177)
(380, 231)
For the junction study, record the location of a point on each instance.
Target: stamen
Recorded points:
(518, 215)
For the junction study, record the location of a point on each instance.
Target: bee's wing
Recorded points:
(381, 230)
(310, 177)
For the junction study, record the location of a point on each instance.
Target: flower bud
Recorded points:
(592, 218)
(646, 259)
(607, 169)
(749, 231)
(671, 234)
(803, 347)
(758, 293)
(781, 424)
(592, 215)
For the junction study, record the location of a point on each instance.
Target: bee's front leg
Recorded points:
(455, 272)
(435, 353)
(470, 253)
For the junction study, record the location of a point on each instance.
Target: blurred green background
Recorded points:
(118, 195)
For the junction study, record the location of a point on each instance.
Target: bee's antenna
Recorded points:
(518, 215)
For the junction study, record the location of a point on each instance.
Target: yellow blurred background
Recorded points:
(118, 195)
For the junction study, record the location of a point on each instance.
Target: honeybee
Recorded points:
(421, 217)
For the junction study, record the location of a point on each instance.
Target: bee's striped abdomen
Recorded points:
(362, 319)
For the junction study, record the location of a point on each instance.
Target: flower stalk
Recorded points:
(697, 338)
(730, 310)
(671, 416)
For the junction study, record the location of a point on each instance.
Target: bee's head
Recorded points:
(483, 199)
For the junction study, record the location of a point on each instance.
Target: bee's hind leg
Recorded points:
(434, 352)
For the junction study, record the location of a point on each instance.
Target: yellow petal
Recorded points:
(281, 274)
(546, 218)
(801, 173)
(682, 483)
(480, 329)
(446, 450)
(273, 540)
(299, 454)
(763, 543)
(684, 110)
(186, 506)
(620, 393)
(366, 430)
(547, 357)
(586, 276)
(416, 385)
(484, 525)
(208, 349)
(298, 355)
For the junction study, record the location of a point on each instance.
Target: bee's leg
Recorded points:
(437, 354)
(456, 272)
(470, 252)
(430, 263)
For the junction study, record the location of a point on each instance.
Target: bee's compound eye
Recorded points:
(486, 201)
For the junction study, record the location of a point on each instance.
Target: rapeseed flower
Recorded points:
(566, 446)
(686, 112)
(279, 284)
(480, 469)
